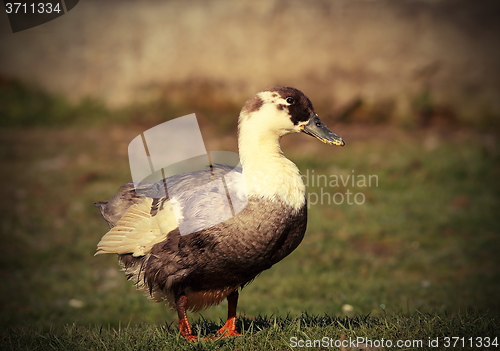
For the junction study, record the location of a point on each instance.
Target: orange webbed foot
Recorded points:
(186, 331)
(229, 329)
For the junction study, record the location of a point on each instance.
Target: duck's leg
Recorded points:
(229, 329)
(184, 327)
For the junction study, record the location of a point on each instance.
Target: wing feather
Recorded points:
(137, 231)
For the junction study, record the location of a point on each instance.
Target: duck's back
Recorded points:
(197, 194)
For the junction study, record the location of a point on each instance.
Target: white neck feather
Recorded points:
(268, 173)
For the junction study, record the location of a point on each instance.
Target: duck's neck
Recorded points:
(268, 173)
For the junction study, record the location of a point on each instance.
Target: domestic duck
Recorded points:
(207, 264)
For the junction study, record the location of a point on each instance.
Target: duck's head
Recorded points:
(284, 110)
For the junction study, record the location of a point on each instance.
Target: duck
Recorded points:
(200, 268)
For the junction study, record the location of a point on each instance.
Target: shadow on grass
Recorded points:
(246, 326)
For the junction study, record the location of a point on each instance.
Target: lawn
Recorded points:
(412, 255)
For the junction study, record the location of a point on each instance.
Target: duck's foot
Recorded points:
(229, 329)
(185, 330)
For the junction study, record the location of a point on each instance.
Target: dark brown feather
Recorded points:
(229, 254)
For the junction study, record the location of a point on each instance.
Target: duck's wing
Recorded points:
(203, 204)
(137, 222)
(115, 208)
(195, 201)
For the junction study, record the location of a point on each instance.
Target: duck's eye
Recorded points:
(290, 100)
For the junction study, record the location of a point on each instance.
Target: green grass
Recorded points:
(419, 259)
(418, 331)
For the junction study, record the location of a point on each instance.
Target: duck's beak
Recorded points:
(316, 128)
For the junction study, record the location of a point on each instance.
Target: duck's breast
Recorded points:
(230, 253)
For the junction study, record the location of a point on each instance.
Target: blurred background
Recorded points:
(413, 87)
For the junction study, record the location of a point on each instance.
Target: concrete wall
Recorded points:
(334, 50)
